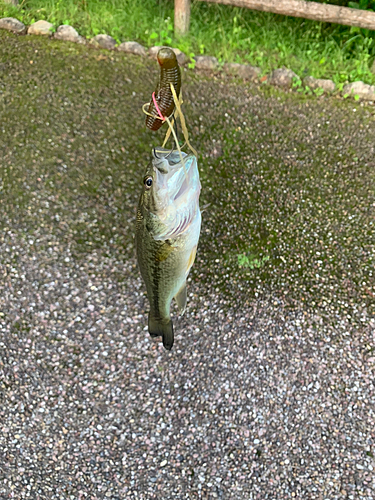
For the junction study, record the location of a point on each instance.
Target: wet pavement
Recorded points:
(269, 390)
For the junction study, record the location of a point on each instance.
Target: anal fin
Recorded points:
(191, 259)
(180, 298)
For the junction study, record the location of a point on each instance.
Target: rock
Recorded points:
(103, 42)
(153, 51)
(40, 28)
(317, 83)
(362, 90)
(217, 151)
(182, 58)
(68, 33)
(11, 2)
(12, 24)
(133, 48)
(243, 70)
(206, 62)
(282, 77)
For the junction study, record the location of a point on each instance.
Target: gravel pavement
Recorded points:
(269, 390)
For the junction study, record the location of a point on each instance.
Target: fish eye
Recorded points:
(148, 182)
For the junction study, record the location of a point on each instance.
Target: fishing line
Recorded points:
(172, 124)
(177, 114)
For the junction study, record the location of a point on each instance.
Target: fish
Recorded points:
(167, 232)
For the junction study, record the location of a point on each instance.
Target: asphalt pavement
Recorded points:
(268, 392)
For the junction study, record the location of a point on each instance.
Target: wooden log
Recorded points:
(181, 17)
(308, 10)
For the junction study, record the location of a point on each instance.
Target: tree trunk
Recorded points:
(181, 16)
(308, 10)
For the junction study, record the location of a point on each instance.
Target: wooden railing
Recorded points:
(295, 8)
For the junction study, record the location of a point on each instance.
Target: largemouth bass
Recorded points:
(167, 234)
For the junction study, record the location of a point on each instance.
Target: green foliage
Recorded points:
(319, 91)
(298, 86)
(251, 261)
(362, 4)
(191, 64)
(162, 36)
(322, 50)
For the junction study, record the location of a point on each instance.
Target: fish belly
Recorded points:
(165, 265)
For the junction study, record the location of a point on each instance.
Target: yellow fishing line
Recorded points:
(149, 114)
(168, 134)
(182, 119)
(177, 114)
(178, 146)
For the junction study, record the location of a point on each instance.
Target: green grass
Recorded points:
(251, 261)
(231, 34)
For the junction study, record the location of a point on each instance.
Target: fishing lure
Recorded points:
(162, 103)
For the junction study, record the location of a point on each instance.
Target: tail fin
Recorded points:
(161, 328)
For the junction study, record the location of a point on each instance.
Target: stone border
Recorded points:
(281, 77)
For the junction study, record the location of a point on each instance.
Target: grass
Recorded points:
(231, 34)
(251, 261)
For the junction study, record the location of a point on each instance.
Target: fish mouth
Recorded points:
(175, 174)
(163, 159)
(184, 186)
(175, 193)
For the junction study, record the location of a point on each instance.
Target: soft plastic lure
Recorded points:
(162, 103)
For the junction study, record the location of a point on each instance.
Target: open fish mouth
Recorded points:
(175, 192)
(177, 180)
(184, 186)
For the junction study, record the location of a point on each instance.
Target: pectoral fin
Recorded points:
(163, 251)
(180, 298)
